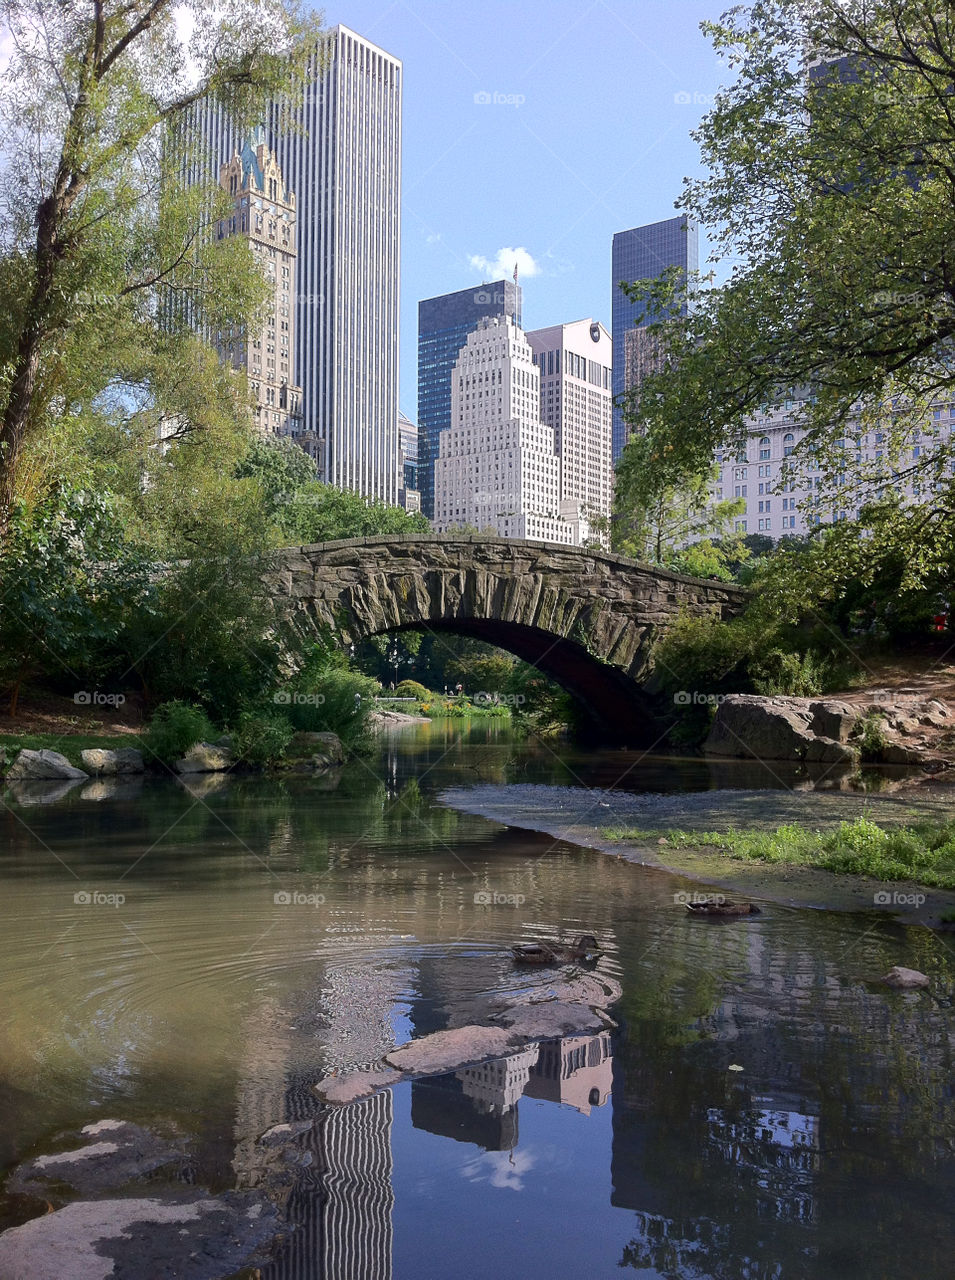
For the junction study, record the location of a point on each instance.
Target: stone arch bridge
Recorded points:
(588, 619)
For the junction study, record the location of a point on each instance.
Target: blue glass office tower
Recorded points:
(444, 324)
(638, 254)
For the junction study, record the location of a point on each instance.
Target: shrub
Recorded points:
(411, 689)
(261, 737)
(872, 740)
(174, 728)
(336, 701)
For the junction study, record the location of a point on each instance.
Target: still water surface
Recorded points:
(273, 931)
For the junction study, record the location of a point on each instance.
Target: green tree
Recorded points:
(830, 186)
(103, 249)
(682, 527)
(70, 577)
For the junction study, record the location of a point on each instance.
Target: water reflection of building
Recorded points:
(577, 1071)
(479, 1104)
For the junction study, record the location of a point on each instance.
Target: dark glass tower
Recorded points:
(443, 327)
(638, 254)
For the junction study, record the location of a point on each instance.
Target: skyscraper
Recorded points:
(444, 324)
(577, 401)
(264, 214)
(342, 158)
(639, 254)
(496, 467)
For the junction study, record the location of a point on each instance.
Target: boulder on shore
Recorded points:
(30, 765)
(764, 728)
(105, 763)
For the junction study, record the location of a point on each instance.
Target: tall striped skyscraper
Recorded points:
(342, 160)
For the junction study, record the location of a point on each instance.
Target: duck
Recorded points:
(722, 909)
(582, 948)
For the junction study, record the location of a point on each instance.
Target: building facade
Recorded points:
(782, 500)
(640, 254)
(409, 495)
(444, 324)
(497, 467)
(264, 215)
(575, 362)
(341, 155)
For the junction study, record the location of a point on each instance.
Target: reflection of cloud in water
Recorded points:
(504, 1169)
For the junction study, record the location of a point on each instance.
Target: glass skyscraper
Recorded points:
(444, 324)
(638, 254)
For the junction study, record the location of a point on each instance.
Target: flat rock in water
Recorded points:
(114, 1154)
(553, 1018)
(899, 976)
(448, 1050)
(359, 1084)
(191, 1236)
(205, 757)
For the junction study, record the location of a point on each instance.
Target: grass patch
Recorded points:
(68, 744)
(923, 851)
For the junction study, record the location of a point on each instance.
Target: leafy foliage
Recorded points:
(174, 728)
(831, 189)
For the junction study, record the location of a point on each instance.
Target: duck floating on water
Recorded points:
(722, 909)
(582, 948)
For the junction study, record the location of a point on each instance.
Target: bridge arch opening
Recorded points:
(611, 707)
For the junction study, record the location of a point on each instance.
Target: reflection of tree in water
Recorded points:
(812, 1161)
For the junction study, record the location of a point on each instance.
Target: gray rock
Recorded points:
(205, 757)
(114, 1154)
(189, 1235)
(282, 1133)
(358, 1084)
(834, 719)
(327, 746)
(102, 762)
(764, 728)
(898, 753)
(448, 1050)
(904, 979)
(30, 765)
(830, 751)
(553, 1018)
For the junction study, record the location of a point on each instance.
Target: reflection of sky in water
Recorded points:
(505, 1169)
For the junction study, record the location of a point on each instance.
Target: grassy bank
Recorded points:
(922, 851)
(67, 744)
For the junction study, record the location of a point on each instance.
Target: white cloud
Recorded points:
(503, 264)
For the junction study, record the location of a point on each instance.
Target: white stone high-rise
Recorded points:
(576, 373)
(264, 215)
(497, 467)
(342, 158)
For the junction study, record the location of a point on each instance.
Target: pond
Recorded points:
(198, 957)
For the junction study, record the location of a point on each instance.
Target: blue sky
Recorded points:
(590, 134)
